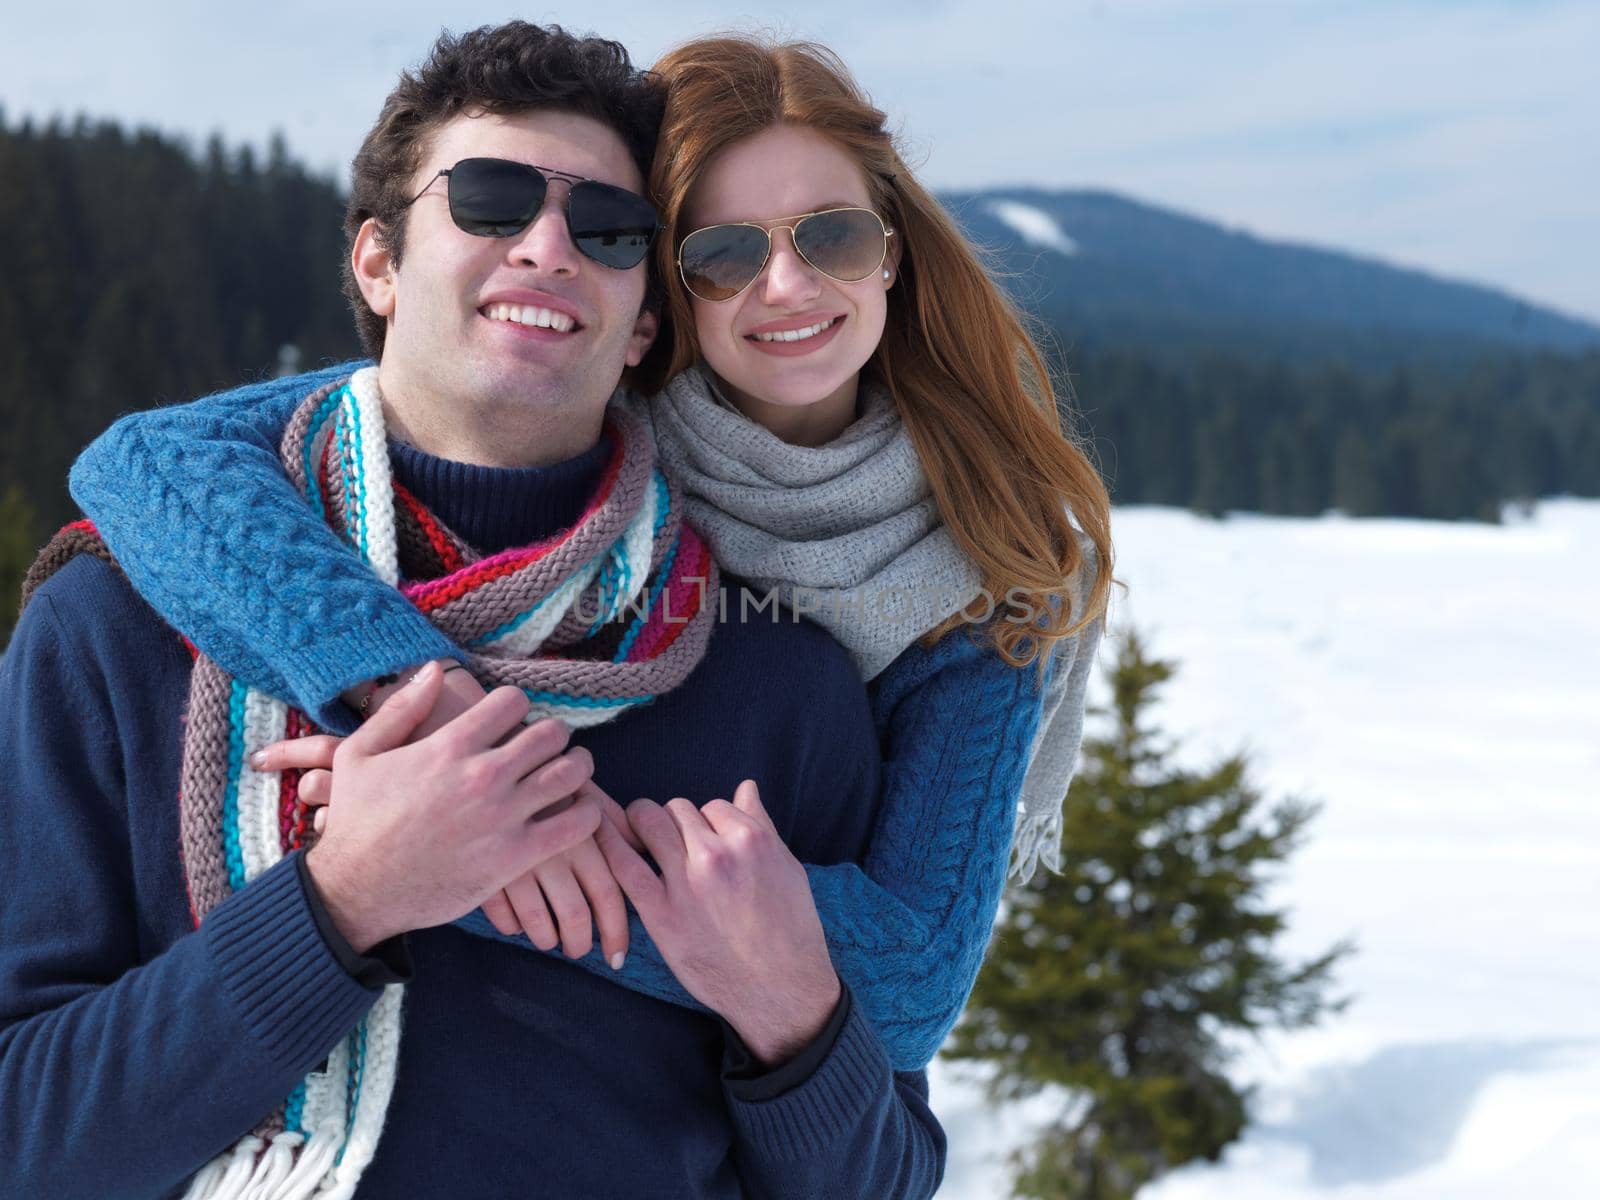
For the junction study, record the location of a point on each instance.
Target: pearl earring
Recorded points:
(886, 274)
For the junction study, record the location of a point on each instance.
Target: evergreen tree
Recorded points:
(1355, 477)
(138, 273)
(1117, 979)
(18, 545)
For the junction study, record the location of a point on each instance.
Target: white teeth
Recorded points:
(795, 335)
(527, 314)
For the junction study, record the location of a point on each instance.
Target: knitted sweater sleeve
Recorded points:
(193, 496)
(124, 1067)
(914, 919)
(852, 1130)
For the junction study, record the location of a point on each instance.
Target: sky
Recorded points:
(1457, 136)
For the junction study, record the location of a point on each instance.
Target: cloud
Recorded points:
(1463, 138)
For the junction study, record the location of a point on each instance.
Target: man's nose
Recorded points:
(546, 243)
(788, 279)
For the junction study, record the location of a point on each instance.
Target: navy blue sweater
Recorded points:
(133, 1048)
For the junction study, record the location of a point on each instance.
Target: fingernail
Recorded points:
(258, 759)
(617, 960)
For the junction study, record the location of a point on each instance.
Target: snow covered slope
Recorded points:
(1438, 687)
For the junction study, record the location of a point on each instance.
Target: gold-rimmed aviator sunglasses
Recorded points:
(718, 262)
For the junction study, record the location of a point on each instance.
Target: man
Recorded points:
(138, 1052)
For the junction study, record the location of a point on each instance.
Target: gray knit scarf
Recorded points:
(849, 535)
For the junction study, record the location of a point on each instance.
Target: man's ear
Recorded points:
(373, 268)
(645, 328)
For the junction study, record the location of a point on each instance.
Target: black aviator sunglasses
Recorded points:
(495, 197)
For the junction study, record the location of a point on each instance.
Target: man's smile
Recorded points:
(530, 315)
(532, 312)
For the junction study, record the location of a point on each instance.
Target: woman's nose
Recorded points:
(789, 280)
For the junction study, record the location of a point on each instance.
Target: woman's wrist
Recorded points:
(366, 698)
(369, 693)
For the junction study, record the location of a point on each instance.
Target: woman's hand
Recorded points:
(313, 756)
(553, 903)
(461, 691)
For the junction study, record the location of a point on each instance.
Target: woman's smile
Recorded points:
(789, 337)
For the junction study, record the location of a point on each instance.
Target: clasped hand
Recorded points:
(731, 911)
(559, 901)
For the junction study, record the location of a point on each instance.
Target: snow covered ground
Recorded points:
(1437, 686)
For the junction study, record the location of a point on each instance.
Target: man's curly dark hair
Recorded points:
(505, 69)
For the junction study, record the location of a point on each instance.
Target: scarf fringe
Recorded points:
(1037, 840)
(292, 1168)
(275, 1169)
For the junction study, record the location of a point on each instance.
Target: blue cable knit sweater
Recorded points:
(192, 501)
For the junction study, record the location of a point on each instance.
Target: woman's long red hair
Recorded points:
(970, 384)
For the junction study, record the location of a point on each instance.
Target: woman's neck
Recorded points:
(813, 425)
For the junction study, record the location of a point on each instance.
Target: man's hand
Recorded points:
(732, 915)
(418, 835)
(554, 902)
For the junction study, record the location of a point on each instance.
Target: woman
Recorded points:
(855, 413)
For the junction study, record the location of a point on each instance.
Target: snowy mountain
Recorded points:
(1100, 268)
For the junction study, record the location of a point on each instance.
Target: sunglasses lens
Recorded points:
(720, 261)
(490, 197)
(611, 225)
(847, 244)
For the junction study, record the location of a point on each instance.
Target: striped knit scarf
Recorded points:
(602, 617)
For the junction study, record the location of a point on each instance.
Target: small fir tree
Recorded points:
(1117, 979)
(18, 545)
